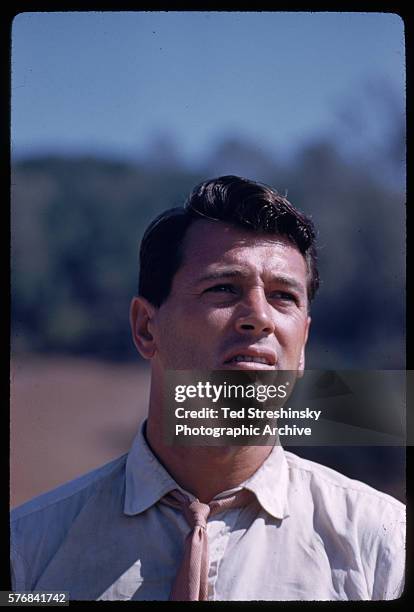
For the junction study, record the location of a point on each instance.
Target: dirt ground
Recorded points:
(69, 416)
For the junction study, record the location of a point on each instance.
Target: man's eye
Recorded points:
(284, 295)
(221, 289)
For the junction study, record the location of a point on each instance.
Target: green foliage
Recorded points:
(77, 224)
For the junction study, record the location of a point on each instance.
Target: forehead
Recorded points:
(210, 245)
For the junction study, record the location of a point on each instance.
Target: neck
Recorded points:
(207, 471)
(204, 471)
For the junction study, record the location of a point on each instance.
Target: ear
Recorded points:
(141, 314)
(301, 365)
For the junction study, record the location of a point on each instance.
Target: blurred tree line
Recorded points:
(77, 223)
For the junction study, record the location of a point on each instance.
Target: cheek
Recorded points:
(291, 333)
(217, 318)
(194, 330)
(219, 324)
(167, 332)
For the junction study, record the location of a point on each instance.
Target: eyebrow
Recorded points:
(281, 279)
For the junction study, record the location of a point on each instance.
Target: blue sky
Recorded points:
(108, 82)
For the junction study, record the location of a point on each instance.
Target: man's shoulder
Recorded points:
(321, 477)
(358, 526)
(72, 493)
(42, 525)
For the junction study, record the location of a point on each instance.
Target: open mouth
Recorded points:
(248, 359)
(251, 358)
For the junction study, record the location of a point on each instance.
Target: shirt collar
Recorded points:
(270, 483)
(147, 480)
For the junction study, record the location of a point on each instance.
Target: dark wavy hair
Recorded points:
(243, 203)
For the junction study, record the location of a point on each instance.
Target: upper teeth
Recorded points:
(250, 358)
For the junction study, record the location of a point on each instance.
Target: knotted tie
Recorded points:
(191, 581)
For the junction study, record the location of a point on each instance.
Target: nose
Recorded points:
(255, 314)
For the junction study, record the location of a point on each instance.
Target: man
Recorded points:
(225, 284)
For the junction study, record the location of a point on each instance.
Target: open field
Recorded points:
(69, 416)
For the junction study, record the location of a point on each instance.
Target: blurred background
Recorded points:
(115, 117)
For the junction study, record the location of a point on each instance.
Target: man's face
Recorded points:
(238, 301)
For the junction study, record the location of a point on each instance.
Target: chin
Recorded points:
(219, 451)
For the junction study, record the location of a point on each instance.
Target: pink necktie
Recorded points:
(191, 581)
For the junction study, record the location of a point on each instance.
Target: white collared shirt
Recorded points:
(310, 534)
